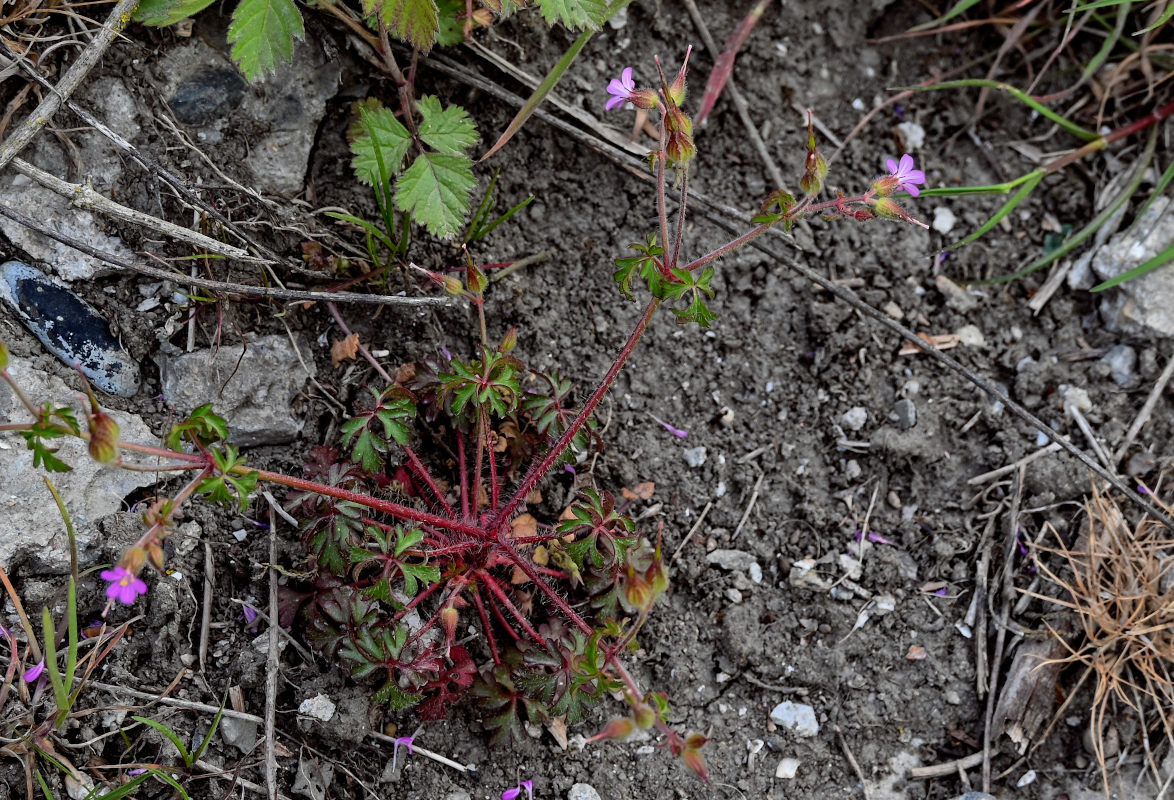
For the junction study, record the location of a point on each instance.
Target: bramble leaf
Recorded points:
(435, 190)
(160, 13)
(448, 130)
(262, 34)
(414, 21)
(370, 434)
(227, 487)
(576, 14)
(203, 426)
(383, 139)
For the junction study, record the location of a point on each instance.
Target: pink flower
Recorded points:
(124, 586)
(907, 177)
(34, 672)
(513, 794)
(406, 741)
(620, 89)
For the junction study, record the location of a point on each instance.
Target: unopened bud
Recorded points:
(103, 432)
(448, 620)
(510, 340)
(155, 555)
(815, 167)
(644, 716)
(888, 208)
(616, 729)
(696, 762)
(475, 278)
(133, 559)
(644, 98)
(452, 285)
(679, 148)
(676, 90)
(886, 185)
(863, 215)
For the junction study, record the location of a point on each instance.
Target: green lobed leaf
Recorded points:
(414, 21)
(577, 14)
(160, 13)
(384, 139)
(262, 34)
(435, 191)
(448, 130)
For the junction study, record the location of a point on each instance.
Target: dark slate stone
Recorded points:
(207, 94)
(69, 327)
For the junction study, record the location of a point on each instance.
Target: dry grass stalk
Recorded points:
(1118, 580)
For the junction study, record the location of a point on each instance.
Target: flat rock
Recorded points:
(239, 733)
(285, 108)
(29, 525)
(252, 386)
(730, 559)
(583, 791)
(319, 707)
(69, 327)
(1144, 305)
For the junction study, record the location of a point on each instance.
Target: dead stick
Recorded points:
(271, 665)
(949, 768)
(118, 18)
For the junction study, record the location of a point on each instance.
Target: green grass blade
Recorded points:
(1160, 21)
(482, 208)
(45, 790)
(991, 188)
(1094, 66)
(483, 232)
(170, 734)
(1023, 97)
(211, 731)
(961, 7)
(1100, 4)
(1100, 219)
(1160, 189)
(72, 640)
(1161, 258)
(1006, 209)
(550, 81)
(370, 229)
(59, 694)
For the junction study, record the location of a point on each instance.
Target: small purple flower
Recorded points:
(249, 613)
(405, 741)
(620, 89)
(124, 586)
(680, 433)
(513, 794)
(907, 177)
(136, 772)
(34, 672)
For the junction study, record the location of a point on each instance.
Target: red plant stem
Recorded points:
(503, 598)
(485, 627)
(494, 488)
(524, 564)
(661, 213)
(420, 598)
(463, 469)
(539, 469)
(385, 506)
(679, 233)
(480, 432)
(745, 238)
(453, 548)
(1152, 118)
(421, 472)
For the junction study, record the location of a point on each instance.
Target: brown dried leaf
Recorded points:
(523, 526)
(641, 491)
(344, 350)
(558, 729)
(942, 341)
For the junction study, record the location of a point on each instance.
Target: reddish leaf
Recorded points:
(724, 66)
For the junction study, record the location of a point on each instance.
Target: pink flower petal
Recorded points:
(891, 166)
(626, 79)
(906, 163)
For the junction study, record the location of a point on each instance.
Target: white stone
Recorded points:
(788, 768)
(1143, 305)
(912, 134)
(318, 707)
(695, 456)
(971, 336)
(583, 791)
(943, 220)
(730, 559)
(854, 418)
(798, 718)
(755, 572)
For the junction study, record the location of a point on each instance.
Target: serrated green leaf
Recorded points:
(577, 14)
(696, 312)
(414, 21)
(423, 573)
(396, 698)
(451, 26)
(435, 191)
(262, 34)
(384, 138)
(160, 13)
(449, 130)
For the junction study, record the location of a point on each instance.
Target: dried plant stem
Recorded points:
(118, 19)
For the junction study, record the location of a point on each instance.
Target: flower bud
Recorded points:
(510, 340)
(475, 278)
(886, 185)
(676, 90)
(888, 209)
(644, 98)
(452, 285)
(644, 716)
(618, 728)
(103, 433)
(815, 167)
(155, 555)
(696, 762)
(133, 559)
(679, 147)
(448, 620)
(863, 215)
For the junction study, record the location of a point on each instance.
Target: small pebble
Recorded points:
(971, 336)
(788, 768)
(957, 298)
(798, 718)
(854, 418)
(906, 413)
(893, 310)
(912, 134)
(695, 456)
(240, 534)
(731, 559)
(943, 220)
(953, 698)
(755, 572)
(733, 595)
(583, 791)
(1121, 361)
(319, 707)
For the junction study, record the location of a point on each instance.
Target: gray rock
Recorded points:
(974, 796)
(1121, 361)
(69, 327)
(91, 491)
(957, 298)
(251, 386)
(798, 718)
(314, 778)
(854, 418)
(906, 413)
(319, 707)
(101, 164)
(284, 107)
(1144, 305)
(695, 456)
(730, 559)
(583, 791)
(239, 733)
